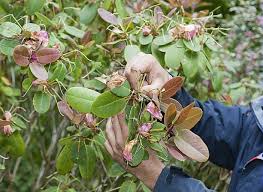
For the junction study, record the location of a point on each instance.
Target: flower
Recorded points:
(7, 129)
(154, 111)
(146, 30)
(144, 129)
(90, 121)
(127, 154)
(187, 32)
(41, 37)
(116, 80)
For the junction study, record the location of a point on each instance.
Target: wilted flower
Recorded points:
(41, 36)
(127, 154)
(187, 32)
(144, 129)
(6, 128)
(154, 110)
(146, 30)
(116, 80)
(90, 121)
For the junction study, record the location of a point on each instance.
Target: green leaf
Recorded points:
(45, 20)
(137, 155)
(217, 81)
(193, 45)
(81, 99)
(74, 31)
(160, 150)
(163, 39)
(18, 123)
(108, 104)
(64, 162)
(32, 27)
(59, 73)
(7, 46)
(8, 29)
(130, 51)
(88, 13)
(26, 83)
(133, 121)
(128, 186)
(33, 6)
(123, 91)
(145, 40)
(41, 102)
(179, 43)
(120, 8)
(174, 56)
(87, 161)
(211, 43)
(94, 84)
(190, 64)
(116, 170)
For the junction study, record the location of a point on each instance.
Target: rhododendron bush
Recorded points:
(61, 69)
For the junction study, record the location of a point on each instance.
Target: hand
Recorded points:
(116, 135)
(143, 63)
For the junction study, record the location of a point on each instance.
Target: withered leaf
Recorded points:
(21, 55)
(184, 113)
(175, 152)
(194, 115)
(171, 87)
(108, 16)
(47, 55)
(64, 109)
(191, 145)
(170, 114)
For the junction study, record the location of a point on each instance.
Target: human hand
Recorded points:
(147, 64)
(116, 135)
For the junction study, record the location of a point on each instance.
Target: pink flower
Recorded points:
(144, 129)
(146, 30)
(187, 32)
(127, 154)
(41, 36)
(154, 111)
(7, 130)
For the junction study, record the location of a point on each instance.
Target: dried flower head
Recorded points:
(116, 80)
(154, 111)
(127, 154)
(144, 129)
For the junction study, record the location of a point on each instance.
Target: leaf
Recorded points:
(211, 43)
(130, 51)
(7, 46)
(173, 56)
(64, 109)
(145, 188)
(184, 113)
(108, 16)
(45, 20)
(170, 114)
(160, 151)
(81, 99)
(217, 81)
(193, 45)
(191, 145)
(193, 117)
(32, 27)
(41, 102)
(64, 162)
(122, 91)
(175, 152)
(74, 31)
(128, 186)
(8, 29)
(88, 13)
(133, 121)
(18, 123)
(145, 40)
(94, 84)
(158, 15)
(163, 40)
(120, 8)
(59, 73)
(190, 64)
(47, 55)
(108, 104)
(170, 88)
(38, 71)
(87, 161)
(21, 55)
(33, 6)
(116, 170)
(137, 155)
(171, 100)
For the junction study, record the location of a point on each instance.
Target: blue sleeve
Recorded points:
(173, 179)
(220, 128)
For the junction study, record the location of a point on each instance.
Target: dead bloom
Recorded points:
(187, 32)
(144, 129)
(7, 129)
(116, 80)
(154, 111)
(127, 154)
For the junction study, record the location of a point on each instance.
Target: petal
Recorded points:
(38, 71)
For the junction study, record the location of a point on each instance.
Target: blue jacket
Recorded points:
(234, 136)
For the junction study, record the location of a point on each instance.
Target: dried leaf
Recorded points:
(38, 71)
(179, 107)
(64, 109)
(47, 55)
(191, 145)
(175, 152)
(170, 114)
(171, 87)
(184, 113)
(108, 16)
(194, 115)
(21, 55)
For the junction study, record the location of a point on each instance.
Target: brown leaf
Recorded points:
(38, 71)
(171, 87)
(191, 145)
(21, 55)
(194, 115)
(86, 38)
(170, 114)
(184, 113)
(158, 15)
(179, 107)
(64, 109)
(108, 16)
(175, 152)
(4, 123)
(47, 55)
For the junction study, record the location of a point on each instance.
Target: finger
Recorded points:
(118, 134)
(123, 125)
(110, 135)
(108, 147)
